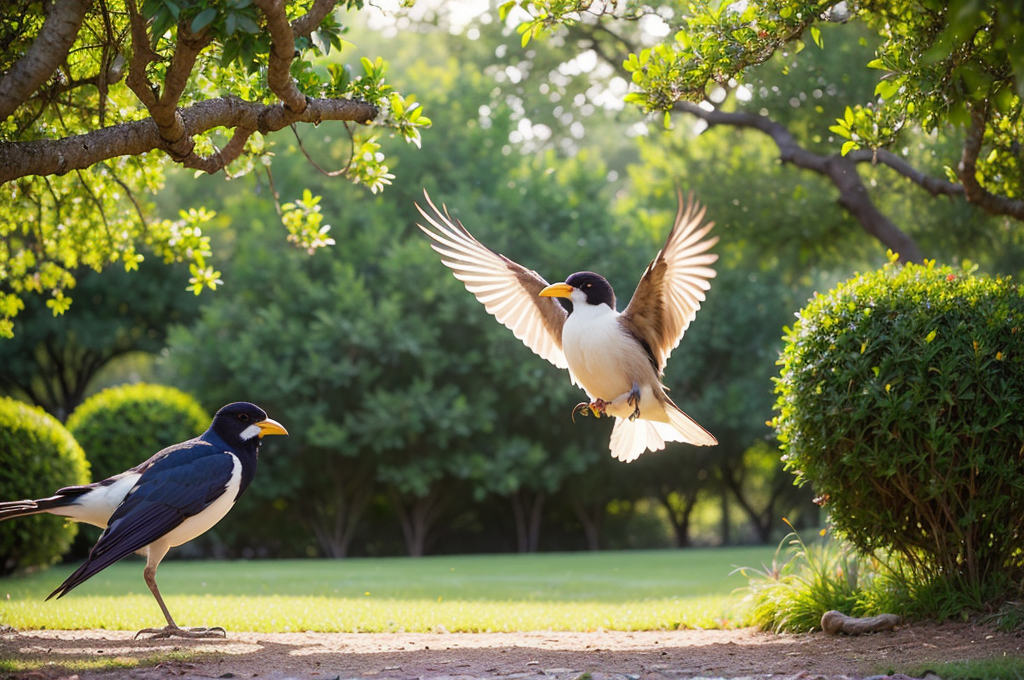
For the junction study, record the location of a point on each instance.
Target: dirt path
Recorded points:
(658, 655)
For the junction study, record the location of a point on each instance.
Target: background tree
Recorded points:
(421, 425)
(53, 360)
(541, 171)
(941, 68)
(96, 98)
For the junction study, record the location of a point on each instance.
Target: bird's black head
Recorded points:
(594, 286)
(242, 422)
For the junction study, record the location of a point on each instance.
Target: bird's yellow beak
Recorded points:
(557, 290)
(271, 426)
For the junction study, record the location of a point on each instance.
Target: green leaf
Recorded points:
(203, 19)
(887, 88)
(173, 8)
(816, 37)
(840, 130)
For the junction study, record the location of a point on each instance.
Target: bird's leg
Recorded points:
(172, 629)
(632, 397)
(634, 400)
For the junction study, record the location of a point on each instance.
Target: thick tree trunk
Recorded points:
(528, 513)
(679, 514)
(591, 517)
(417, 519)
(334, 524)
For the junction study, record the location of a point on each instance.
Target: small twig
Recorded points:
(326, 173)
(131, 196)
(273, 191)
(99, 207)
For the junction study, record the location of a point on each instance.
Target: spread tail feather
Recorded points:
(630, 438)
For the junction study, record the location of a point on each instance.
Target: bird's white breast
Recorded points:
(598, 350)
(202, 522)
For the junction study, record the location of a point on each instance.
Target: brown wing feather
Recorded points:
(507, 290)
(671, 290)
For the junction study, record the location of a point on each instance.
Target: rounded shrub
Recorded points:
(121, 427)
(901, 400)
(39, 456)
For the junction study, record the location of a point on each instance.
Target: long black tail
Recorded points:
(63, 498)
(29, 507)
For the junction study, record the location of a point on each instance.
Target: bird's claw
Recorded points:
(634, 400)
(174, 631)
(587, 408)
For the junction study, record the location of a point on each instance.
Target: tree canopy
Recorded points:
(953, 68)
(97, 97)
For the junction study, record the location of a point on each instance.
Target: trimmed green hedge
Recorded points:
(901, 400)
(39, 456)
(121, 427)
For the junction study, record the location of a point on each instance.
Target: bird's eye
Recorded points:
(588, 285)
(243, 417)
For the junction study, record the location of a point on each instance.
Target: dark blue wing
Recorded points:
(178, 483)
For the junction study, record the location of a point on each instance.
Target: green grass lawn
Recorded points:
(629, 590)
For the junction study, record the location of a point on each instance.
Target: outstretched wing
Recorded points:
(509, 291)
(672, 288)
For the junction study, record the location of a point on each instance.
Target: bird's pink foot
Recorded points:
(174, 631)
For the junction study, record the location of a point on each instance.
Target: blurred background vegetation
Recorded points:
(418, 424)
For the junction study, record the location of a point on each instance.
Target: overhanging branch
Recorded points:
(282, 52)
(967, 171)
(60, 156)
(48, 50)
(840, 170)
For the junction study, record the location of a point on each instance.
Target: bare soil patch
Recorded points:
(651, 655)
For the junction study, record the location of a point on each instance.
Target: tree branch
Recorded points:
(308, 22)
(142, 55)
(60, 156)
(282, 52)
(178, 142)
(933, 185)
(48, 51)
(967, 171)
(841, 170)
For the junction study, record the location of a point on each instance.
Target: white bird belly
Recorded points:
(593, 343)
(607, 362)
(200, 523)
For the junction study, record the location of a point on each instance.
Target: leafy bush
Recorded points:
(901, 400)
(122, 426)
(39, 456)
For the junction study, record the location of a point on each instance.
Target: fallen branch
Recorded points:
(834, 623)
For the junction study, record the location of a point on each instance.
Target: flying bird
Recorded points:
(178, 494)
(617, 358)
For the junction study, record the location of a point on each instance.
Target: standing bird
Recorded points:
(176, 495)
(618, 359)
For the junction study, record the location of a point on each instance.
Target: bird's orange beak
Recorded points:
(557, 290)
(270, 426)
